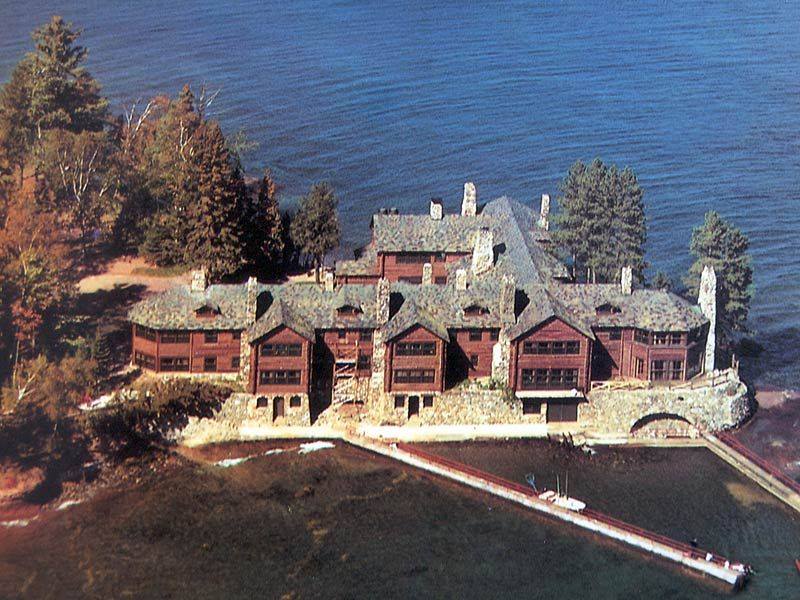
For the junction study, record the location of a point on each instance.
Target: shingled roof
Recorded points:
(177, 308)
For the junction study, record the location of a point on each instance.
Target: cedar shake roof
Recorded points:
(522, 253)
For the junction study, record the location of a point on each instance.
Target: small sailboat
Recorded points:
(562, 500)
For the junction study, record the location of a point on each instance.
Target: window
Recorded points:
(365, 335)
(549, 379)
(638, 366)
(145, 333)
(281, 350)
(475, 335)
(210, 337)
(427, 401)
(667, 338)
(473, 360)
(608, 309)
(494, 335)
(416, 349)
(364, 362)
(348, 311)
(531, 406)
(399, 401)
(279, 378)
(414, 376)
(440, 280)
(262, 402)
(144, 360)
(666, 370)
(295, 402)
(236, 335)
(174, 363)
(210, 363)
(641, 336)
(235, 362)
(554, 347)
(341, 334)
(174, 337)
(475, 310)
(439, 257)
(614, 334)
(410, 279)
(409, 258)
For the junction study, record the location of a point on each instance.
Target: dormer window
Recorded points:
(348, 310)
(475, 310)
(608, 309)
(206, 312)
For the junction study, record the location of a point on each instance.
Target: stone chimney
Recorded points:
(382, 293)
(199, 280)
(461, 279)
(483, 251)
(437, 212)
(427, 274)
(544, 212)
(508, 292)
(469, 205)
(328, 281)
(626, 281)
(707, 299)
(251, 297)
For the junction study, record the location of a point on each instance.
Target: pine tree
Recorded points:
(63, 95)
(315, 227)
(215, 206)
(662, 281)
(266, 226)
(16, 129)
(601, 222)
(720, 244)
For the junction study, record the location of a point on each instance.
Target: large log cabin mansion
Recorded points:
(432, 301)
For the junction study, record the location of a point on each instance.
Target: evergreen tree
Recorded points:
(63, 95)
(16, 129)
(315, 228)
(720, 244)
(265, 224)
(214, 198)
(662, 281)
(601, 222)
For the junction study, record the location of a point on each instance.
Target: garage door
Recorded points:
(562, 411)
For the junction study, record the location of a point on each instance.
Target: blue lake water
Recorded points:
(397, 102)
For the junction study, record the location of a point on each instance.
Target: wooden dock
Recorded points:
(699, 561)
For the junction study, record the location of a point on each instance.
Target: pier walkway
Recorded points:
(699, 561)
(750, 464)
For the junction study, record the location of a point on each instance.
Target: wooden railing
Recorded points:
(737, 446)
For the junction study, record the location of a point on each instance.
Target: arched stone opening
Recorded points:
(662, 424)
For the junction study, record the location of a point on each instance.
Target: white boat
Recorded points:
(562, 501)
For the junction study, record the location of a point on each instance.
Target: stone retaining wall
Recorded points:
(710, 408)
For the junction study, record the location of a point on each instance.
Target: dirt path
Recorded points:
(126, 271)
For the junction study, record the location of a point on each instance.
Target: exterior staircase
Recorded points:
(346, 388)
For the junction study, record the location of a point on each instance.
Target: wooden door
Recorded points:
(413, 406)
(562, 411)
(277, 408)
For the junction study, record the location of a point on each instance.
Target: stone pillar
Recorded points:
(437, 212)
(328, 281)
(382, 297)
(427, 274)
(626, 281)
(707, 299)
(469, 204)
(544, 212)
(501, 358)
(461, 279)
(199, 280)
(483, 251)
(251, 300)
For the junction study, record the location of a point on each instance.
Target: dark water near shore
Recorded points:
(397, 102)
(344, 524)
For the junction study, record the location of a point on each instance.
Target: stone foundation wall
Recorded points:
(462, 406)
(711, 407)
(243, 410)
